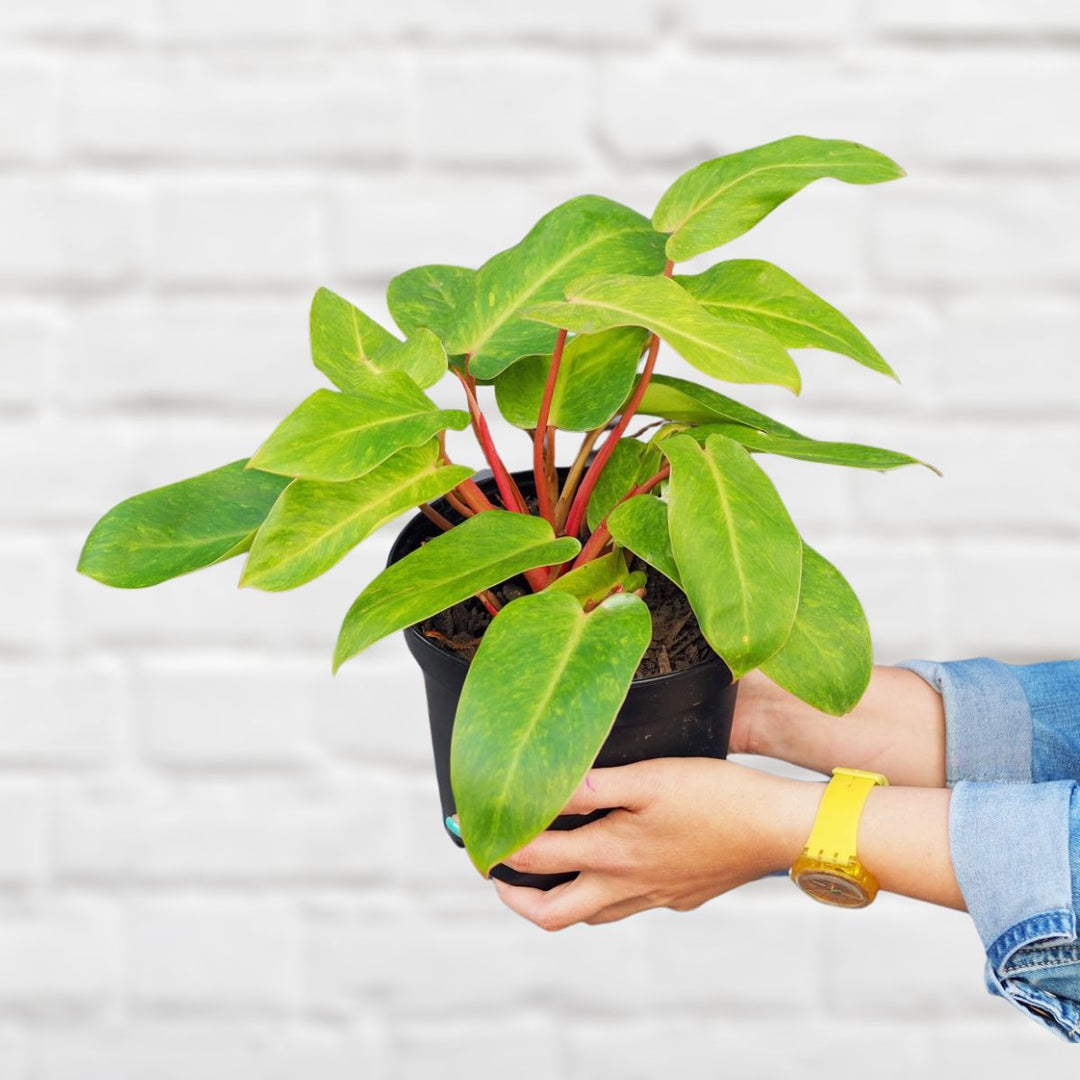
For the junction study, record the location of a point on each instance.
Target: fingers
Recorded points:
(576, 901)
(626, 786)
(554, 852)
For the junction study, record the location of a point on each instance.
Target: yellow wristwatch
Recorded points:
(829, 869)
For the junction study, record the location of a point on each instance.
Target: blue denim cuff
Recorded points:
(1013, 855)
(988, 729)
(1053, 693)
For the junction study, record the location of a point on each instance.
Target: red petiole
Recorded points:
(576, 516)
(544, 439)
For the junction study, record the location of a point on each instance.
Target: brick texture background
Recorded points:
(218, 862)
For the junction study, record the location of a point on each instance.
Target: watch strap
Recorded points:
(834, 837)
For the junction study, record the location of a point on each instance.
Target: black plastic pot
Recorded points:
(683, 714)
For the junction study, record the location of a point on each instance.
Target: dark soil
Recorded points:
(677, 643)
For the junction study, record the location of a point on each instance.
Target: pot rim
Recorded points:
(436, 650)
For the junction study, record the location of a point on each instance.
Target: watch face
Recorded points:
(832, 889)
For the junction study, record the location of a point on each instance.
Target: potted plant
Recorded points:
(527, 597)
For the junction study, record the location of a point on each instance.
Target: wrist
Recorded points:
(794, 806)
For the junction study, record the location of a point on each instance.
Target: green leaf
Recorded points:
(739, 354)
(430, 297)
(595, 376)
(759, 294)
(587, 235)
(828, 659)
(332, 436)
(316, 522)
(344, 339)
(597, 578)
(181, 527)
(737, 550)
(348, 347)
(631, 463)
(690, 403)
(853, 455)
(480, 552)
(641, 525)
(721, 199)
(539, 700)
(422, 358)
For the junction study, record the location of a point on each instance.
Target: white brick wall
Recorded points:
(218, 862)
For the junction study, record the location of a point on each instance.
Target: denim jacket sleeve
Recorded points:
(1012, 749)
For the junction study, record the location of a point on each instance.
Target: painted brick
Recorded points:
(28, 342)
(1008, 360)
(1013, 1042)
(681, 950)
(993, 107)
(205, 609)
(976, 18)
(70, 230)
(59, 714)
(276, 107)
(224, 712)
(246, 232)
(222, 954)
(65, 956)
(374, 709)
(27, 584)
(1013, 599)
(991, 479)
(384, 225)
(238, 1050)
(73, 470)
(76, 19)
(14, 1055)
(770, 21)
(878, 104)
(977, 233)
(462, 102)
(24, 823)
(208, 353)
(264, 21)
(450, 1048)
(640, 1048)
(29, 108)
(604, 21)
(236, 833)
(472, 958)
(934, 957)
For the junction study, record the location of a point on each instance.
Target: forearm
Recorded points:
(897, 728)
(903, 838)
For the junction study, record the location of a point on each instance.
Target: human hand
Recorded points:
(685, 830)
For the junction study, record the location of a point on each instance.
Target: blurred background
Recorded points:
(217, 861)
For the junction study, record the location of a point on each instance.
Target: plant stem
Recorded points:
(433, 515)
(645, 427)
(458, 505)
(487, 598)
(599, 539)
(544, 439)
(508, 490)
(562, 507)
(472, 496)
(576, 516)
(581, 500)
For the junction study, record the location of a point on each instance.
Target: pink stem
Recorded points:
(545, 436)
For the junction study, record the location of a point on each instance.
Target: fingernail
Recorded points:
(453, 826)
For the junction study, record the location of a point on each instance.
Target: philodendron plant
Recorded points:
(565, 326)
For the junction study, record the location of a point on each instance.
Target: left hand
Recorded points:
(685, 830)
